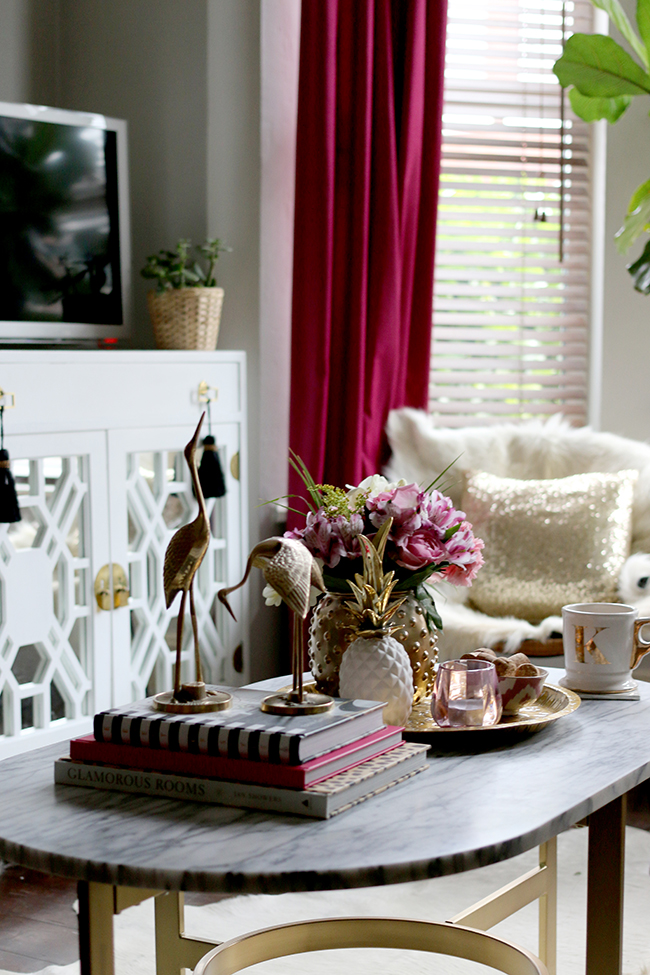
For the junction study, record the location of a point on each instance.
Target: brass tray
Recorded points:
(553, 703)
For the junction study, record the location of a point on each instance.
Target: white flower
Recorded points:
(372, 486)
(271, 597)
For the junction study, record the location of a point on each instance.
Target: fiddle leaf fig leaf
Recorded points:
(619, 18)
(640, 271)
(640, 194)
(600, 68)
(637, 218)
(643, 21)
(592, 109)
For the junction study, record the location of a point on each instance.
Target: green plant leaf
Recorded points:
(600, 68)
(301, 469)
(637, 218)
(619, 18)
(640, 194)
(643, 22)
(435, 483)
(409, 579)
(640, 271)
(174, 269)
(592, 109)
(431, 614)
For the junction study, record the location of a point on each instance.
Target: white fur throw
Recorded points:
(536, 449)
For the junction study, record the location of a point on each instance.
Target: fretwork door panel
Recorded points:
(54, 647)
(151, 496)
(96, 443)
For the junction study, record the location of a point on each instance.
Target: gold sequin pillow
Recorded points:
(548, 542)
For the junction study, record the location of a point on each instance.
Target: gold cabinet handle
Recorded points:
(103, 587)
(234, 466)
(207, 394)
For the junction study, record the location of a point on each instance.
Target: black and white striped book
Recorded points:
(241, 731)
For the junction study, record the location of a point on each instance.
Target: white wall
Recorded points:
(280, 32)
(625, 388)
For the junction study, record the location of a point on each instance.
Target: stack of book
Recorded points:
(313, 765)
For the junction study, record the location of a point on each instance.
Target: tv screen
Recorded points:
(64, 267)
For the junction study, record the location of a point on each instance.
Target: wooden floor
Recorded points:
(38, 920)
(38, 923)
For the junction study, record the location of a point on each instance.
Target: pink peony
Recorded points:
(423, 547)
(464, 556)
(330, 538)
(401, 504)
(427, 531)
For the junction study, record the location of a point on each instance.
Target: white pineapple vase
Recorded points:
(377, 668)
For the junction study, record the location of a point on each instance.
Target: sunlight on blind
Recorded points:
(510, 332)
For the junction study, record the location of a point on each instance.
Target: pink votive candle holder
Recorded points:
(466, 694)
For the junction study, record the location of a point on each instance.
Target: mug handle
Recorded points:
(641, 647)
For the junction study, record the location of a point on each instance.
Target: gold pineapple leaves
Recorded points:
(373, 590)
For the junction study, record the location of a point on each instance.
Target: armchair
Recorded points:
(531, 450)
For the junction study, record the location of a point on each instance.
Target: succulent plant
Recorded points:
(176, 269)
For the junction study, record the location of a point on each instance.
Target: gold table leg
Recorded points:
(540, 883)
(605, 889)
(174, 949)
(96, 907)
(548, 906)
(98, 903)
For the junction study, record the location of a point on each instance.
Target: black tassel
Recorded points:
(211, 477)
(9, 510)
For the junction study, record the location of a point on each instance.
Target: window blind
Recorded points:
(510, 318)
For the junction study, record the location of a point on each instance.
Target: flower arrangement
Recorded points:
(428, 537)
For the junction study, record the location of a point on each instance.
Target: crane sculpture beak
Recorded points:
(287, 566)
(190, 448)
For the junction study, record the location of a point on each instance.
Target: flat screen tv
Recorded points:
(65, 264)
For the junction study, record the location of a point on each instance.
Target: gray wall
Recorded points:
(146, 62)
(233, 212)
(29, 45)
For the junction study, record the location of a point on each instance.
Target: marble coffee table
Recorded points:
(466, 811)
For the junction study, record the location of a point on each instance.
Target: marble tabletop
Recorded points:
(464, 811)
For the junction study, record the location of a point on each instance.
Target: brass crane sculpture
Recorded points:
(291, 569)
(183, 557)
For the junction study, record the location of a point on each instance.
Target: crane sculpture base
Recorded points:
(193, 698)
(291, 703)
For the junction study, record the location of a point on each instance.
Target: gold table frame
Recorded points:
(98, 903)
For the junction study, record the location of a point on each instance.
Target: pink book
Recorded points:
(87, 749)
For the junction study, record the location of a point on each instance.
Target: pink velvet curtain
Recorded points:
(367, 167)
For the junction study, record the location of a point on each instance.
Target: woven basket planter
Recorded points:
(186, 318)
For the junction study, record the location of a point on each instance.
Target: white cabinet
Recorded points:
(96, 443)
